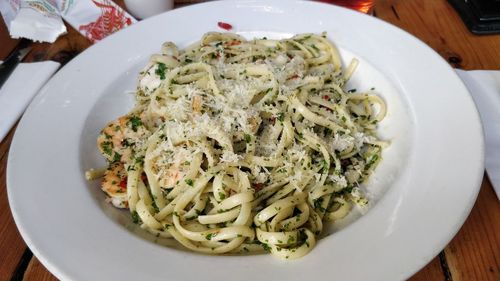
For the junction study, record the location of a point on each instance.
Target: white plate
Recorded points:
(422, 191)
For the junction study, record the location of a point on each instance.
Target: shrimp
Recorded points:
(114, 184)
(119, 138)
(172, 176)
(172, 168)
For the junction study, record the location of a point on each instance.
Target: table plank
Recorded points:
(438, 25)
(11, 245)
(8, 43)
(474, 252)
(432, 271)
(37, 272)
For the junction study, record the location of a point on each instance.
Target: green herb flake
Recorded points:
(317, 204)
(135, 122)
(160, 70)
(155, 207)
(281, 117)
(222, 195)
(210, 236)
(117, 157)
(135, 217)
(189, 182)
(139, 160)
(248, 138)
(325, 165)
(266, 247)
(107, 147)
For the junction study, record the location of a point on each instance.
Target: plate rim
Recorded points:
(60, 273)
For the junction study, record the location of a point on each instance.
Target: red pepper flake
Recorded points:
(258, 186)
(273, 120)
(123, 184)
(326, 97)
(144, 178)
(295, 76)
(225, 25)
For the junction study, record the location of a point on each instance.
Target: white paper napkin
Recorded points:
(484, 86)
(18, 91)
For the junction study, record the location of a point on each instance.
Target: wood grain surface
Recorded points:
(474, 253)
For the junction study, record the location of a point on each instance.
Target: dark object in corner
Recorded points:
(480, 16)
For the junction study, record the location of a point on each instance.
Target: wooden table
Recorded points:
(474, 253)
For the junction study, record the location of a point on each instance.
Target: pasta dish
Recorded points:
(239, 146)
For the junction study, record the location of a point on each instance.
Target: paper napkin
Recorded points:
(18, 91)
(484, 86)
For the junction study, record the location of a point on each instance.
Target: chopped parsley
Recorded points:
(222, 195)
(134, 122)
(189, 182)
(139, 160)
(281, 116)
(372, 161)
(135, 217)
(248, 138)
(344, 191)
(325, 165)
(126, 143)
(317, 204)
(210, 236)
(117, 157)
(156, 207)
(160, 71)
(107, 147)
(266, 247)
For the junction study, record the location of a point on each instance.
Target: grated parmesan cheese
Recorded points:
(150, 80)
(230, 157)
(340, 180)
